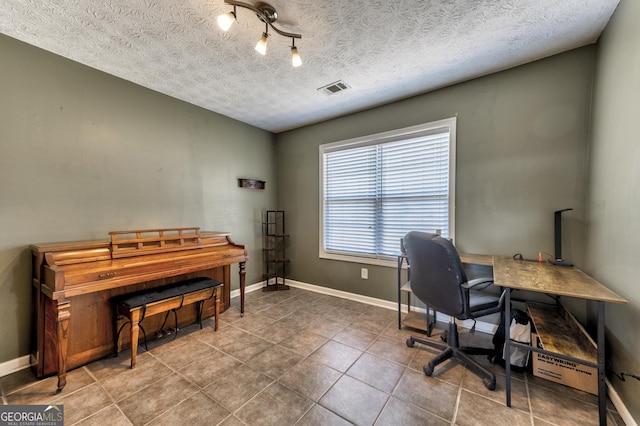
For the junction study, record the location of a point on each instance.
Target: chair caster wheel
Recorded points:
(490, 383)
(410, 342)
(428, 370)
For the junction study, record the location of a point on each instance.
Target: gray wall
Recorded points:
(83, 153)
(613, 228)
(522, 139)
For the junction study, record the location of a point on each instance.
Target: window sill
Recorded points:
(391, 263)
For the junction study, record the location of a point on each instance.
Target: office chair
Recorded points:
(439, 281)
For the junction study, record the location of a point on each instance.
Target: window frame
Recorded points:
(377, 139)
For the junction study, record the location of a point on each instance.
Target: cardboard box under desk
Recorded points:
(568, 337)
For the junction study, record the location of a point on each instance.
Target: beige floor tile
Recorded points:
(196, 410)
(398, 412)
(232, 314)
(327, 328)
(355, 401)
(174, 356)
(380, 312)
(319, 308)
(12, 382)
(245, 347)
(430, 394)
(352, 305)
(304, 342)
(206, 369)
(372, 322)
(377, 372)
(126, 382)
(310, 378)
(83, 403)
(560, 408)
(343, 315)
(44, 391)
(301, 319)
(236, 387)
(156, 399)
(320, 416)
(115, 364)
(449, 371)
(257, 306)
(401, 334)
(276, 405)
(110, 415)
(479, 411)
(336, 355)
(557, 387)
(232, 421)
(276, 332)
(274, 361)
(392, 350)
(519, 397)
(223, 337)
(355, 338)
(278, 311)
(253, 322)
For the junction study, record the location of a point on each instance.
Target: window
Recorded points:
(377, 188)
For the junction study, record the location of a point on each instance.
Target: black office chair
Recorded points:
(439, 281)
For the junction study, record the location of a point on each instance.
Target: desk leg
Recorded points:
(602, 387)
(507, 345)
(399, 293)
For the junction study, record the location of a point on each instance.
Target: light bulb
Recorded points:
(261, 47)
(296, 61)
(225, 21)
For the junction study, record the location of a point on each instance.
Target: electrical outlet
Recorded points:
(364, 273)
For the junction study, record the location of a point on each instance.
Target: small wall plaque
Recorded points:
(251, 183)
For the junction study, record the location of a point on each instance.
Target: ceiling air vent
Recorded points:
(333, 88)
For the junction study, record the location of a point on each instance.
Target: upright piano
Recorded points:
(74, 284)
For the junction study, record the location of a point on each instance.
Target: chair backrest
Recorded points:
(436, 272)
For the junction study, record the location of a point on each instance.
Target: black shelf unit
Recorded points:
(274, 251)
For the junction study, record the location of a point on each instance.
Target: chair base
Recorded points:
(452, 350)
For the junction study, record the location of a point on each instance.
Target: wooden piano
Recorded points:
(74, 282)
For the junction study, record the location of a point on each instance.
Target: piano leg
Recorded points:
(135, 333)
(63, 316)
(243, 272)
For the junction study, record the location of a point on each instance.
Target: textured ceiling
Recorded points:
(384, 50)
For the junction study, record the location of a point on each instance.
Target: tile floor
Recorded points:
(303, 358)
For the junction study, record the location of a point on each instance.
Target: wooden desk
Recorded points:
(542, 277)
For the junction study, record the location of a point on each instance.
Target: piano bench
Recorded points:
(135, 307)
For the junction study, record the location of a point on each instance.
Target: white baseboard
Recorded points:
(14, 365)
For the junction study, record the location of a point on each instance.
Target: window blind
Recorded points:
(373, 194)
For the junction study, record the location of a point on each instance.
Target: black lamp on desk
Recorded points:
(558, 239)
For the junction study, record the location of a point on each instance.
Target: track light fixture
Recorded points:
(267, 14)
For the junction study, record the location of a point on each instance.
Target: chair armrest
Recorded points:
(482, 283)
